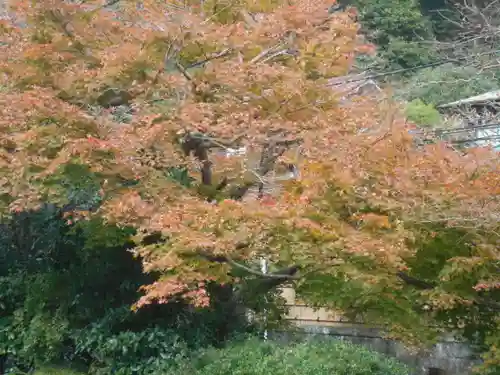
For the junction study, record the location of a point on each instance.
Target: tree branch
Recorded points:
(183, 71)
(285, 274)
(223, 53)
(410, 280)
(271, 151)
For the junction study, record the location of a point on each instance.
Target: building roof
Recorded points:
(488, 97)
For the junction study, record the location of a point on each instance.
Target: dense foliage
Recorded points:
(257, 357)
(447, 83)
(309, 358)
(398, 29)
(66, 296)
(450, 45)
(422, 114)
(212, 132)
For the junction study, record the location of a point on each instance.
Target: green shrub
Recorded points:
(323, 357)
(66, 292)
(385, 19)
(422, 114)
(397, 28)
(152, 350)
(403, 54)
(57, 371)
(448, 83)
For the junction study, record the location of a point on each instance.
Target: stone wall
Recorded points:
(448, 357)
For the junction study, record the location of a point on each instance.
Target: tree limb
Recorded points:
(288, 273)
(219, 55)
(183, 71)
(410, 280)
(287, 276)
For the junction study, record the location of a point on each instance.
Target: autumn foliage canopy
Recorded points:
(236, 147)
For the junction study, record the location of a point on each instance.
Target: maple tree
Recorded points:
(236, 148)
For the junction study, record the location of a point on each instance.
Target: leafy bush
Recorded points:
(152, 350)
(445, 17)
(422, 114)
(402, 54)
(387, 18)
(447, 83)
(57, 371)
(330, 357)
(397, 28)
(66, 291)
(491, 364)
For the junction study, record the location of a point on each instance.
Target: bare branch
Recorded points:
(266, 52)
(219, 55)
(183, 71)
(247, 17)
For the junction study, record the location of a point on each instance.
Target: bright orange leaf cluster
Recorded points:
(202, 83)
